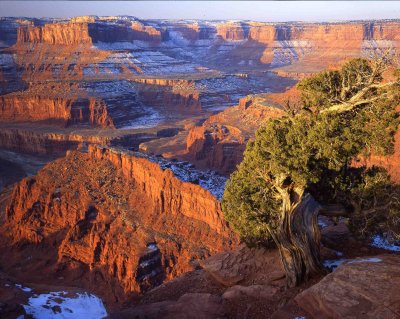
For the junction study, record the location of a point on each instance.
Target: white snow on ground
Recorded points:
(333, 264)
(24, 289)
(147, 121)
(209, 180)
(322, 223)
(338, 253)
(60, 305)
(365, 260)
(152, 247)
(380, 242)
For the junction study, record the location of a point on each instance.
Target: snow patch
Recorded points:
(322, 223)
(380, 242)
(152, 247)
(365, 260)
(338, 253)
(151, 119)
(333, 264)
(24, 289)
(59, 305)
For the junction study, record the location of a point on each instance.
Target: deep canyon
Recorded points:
(117, 136)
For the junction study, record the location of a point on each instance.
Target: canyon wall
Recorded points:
(325, 34)
(88, 31)
(220, 141)
(171, 195)
(63, 110)
(43, 141)
(26, 141)
(55, 33)
(145, 33)
(110, 222)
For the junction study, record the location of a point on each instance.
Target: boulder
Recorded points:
(246, 266)
(365, 288)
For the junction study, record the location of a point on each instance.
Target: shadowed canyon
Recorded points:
(117, 138)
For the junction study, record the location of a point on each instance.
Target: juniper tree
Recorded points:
(302, 165)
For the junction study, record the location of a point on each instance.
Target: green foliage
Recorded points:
(320, 90)
(313, 151)
(331, 87)
(377, 204)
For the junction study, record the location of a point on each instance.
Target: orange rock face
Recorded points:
(110, 222)
(65, 111)
(56, 33)
(220, 142)
(231, 31)
(179, 95)
(26, 141)
(145, 33)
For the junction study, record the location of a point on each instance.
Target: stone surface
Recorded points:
(366, 287)
(111, 223)
(189, 306)
(253, 291)
(245, 266)
(220, 141)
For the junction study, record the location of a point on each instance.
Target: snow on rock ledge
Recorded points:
(380, 242)
(64, 305)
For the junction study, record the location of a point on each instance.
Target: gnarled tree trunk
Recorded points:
(298, 237)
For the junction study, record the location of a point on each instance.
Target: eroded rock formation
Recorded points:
(220, 142)
(116, 223)
(65, 108)
(55, 33)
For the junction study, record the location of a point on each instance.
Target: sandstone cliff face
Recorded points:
(232, 31)
(219, 147)
(25, 141)
(220, 142)
(382, 31)
(145, 33)
(174, 95)
(56, 33)
(62, 110)
(112, 223)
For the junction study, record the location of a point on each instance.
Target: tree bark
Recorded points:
(298, 238)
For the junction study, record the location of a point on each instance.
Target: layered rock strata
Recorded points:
(220, 141)
(110, 222)
(55, 33)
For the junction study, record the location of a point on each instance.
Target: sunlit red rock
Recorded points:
(115, 223)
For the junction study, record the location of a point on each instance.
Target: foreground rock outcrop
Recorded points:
(109, 222)
(361, 288)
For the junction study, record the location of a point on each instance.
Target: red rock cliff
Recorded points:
(219, 143)
(56, 33)
(41, 103)
(231, 31)
(110, 222)
(145, 33)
